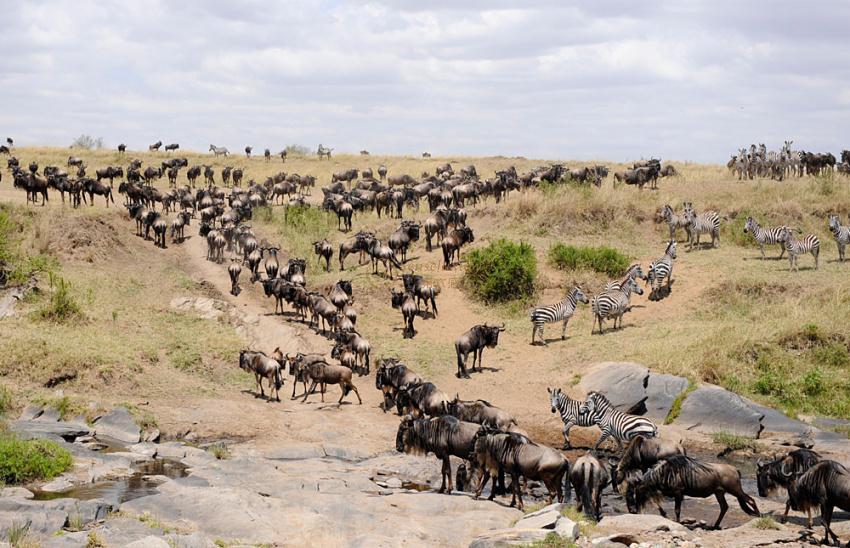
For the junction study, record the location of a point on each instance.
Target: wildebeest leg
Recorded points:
(517, 489)
(322, 390)
(784, 517)
(826, 518)
(443, 474)
(481, 482)
(721, 500)
(307, 392)
(678, 506)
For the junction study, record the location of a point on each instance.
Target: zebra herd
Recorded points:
(795, 246)
(757, 161)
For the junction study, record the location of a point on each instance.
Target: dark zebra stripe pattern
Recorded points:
(674, 221)
(768, 236)
(632, 273)
(616, 424)
(613, 304)
(662, 268)
(703, 223)
(796, 247)
(568, 408)
(561, 311)
(840, 233)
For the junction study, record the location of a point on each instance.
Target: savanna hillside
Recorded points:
(101, 330)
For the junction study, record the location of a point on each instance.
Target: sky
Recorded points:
(617, 80)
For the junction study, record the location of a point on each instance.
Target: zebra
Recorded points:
(568, 408)
(563, 310)
(634, 271)
(613, 304)
(796, 247)
(662, 268)
(219, 151)
(764, 236)
(674, 221)
(840, 233)
(707, 222)
(616, 424)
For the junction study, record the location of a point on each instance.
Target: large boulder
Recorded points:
(119, 425)
(712, 409)
(545, 518)
(510, 537)
(661, 391)
(623, 383)
(51, 430)
(635, 524)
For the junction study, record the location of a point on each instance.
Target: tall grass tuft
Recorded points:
(28, 460)
(503, 271)
(602, 259)
(62, 306)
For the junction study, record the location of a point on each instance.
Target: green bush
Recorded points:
(63, 305)
(28, 460)
(502, 271)
(602, 259)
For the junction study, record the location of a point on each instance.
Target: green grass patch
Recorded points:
(602, 259)
(734, 441)
(219, 451)
(501, 272)
(766, 523)
(585, 524)
(7, 400)
(676, 407)
(298, 227)
(63, 305)
(22, 461)
(552, 540)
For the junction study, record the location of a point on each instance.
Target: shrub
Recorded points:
(87, 142)
(600, 259)
(297, 150)
(502, 271)
(676, 407)
(28, 460)
(63, 306)
(219, 451)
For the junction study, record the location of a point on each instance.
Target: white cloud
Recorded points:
(686, 80)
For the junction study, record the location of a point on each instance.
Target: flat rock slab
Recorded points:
(635, 524)
(623, 383)
(510, 537)
(119, 425)
(47, 517)
(296, 451)
(776, 421)
(31, 412)
(661, 391)
(50, 430)
(713, 409)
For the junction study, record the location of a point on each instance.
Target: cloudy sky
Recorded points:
(687, 80)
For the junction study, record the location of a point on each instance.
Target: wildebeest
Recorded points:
(92, 187)
(382, 253)
(361, 347)
(444, 436)
(155, 146)
(518, 456)
(110, 173)
(237, 177)
(416, 284)
(267, 155)
(680, 476)
(324, 250)
(122, 148)
(192, 174)
(475, 340)
(391, 377)
(382, 171)
(72, 160)
(234, 270)
(824, 486)
(452, 243)
(641, 454)
(248, 152)
(347, 176)
(405, 301)
(481, 412)
(298, 366)
(401, 238)
(152, 173)
(171, 146)
(322, 373)
(263, 367)
(588, 477)
(782, 471)
(425, 399)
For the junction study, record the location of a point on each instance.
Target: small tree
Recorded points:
(87, 142)
(502, 271)
(297, 150)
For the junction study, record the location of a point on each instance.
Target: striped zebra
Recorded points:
(674, 221)
(633, 272)
(796, 247)
(703, 223)
(568, 408)
(840, 233)
(764, 236)
(613, 304)
(563, 310)
(662, 268)
(616, 424)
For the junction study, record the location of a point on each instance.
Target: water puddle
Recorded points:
(142, 483)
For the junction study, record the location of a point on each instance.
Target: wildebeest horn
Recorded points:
(502, 327)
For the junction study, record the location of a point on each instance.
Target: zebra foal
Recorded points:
(613, 303)
(674, 220)
(561, 311)
(616, 424)
(568, 409)
(707, 222)
(661, 269)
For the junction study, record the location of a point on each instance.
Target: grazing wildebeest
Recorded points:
(680, 476)
(481, 412)
(824, 486)
(219, 151)
(475, 340)
(589, 477)
(422, 291)
(324, 250)
(322, 373)
(171, 146)
(782, 471)
(405, 301)
(109, 173)
(263, 367)
(444, 436)
(452, 243)
(155, 146)
(518, 456)
(248, 152)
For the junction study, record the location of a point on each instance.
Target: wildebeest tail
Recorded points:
(395, 262)
(565, 481)
(748, 505)
(446, 253)
(278, 382)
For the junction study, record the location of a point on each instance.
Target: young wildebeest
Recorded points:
(782, 471)
(416, 285)
(680, 476)
(263, 367)
(392, 377)
(324, 250)
(405, 301)
(234, 270)
(322, 374)
(452, 243)
(444, 436)
(340, 294)
(474, 341)
(181, 221)
(425, 399)
(360, 345)
(825, 486)
(382, 253)
(481, 412)
(519, 456)
(589, 477)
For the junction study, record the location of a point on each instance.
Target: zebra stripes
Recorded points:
(633, 272)
(662, 268)
(674, 221)
(703, 223)
(764, 236)
(568, 408)
(840, 233)
(796, 247)
(613, 304)
(616, 424)
(562, 310)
